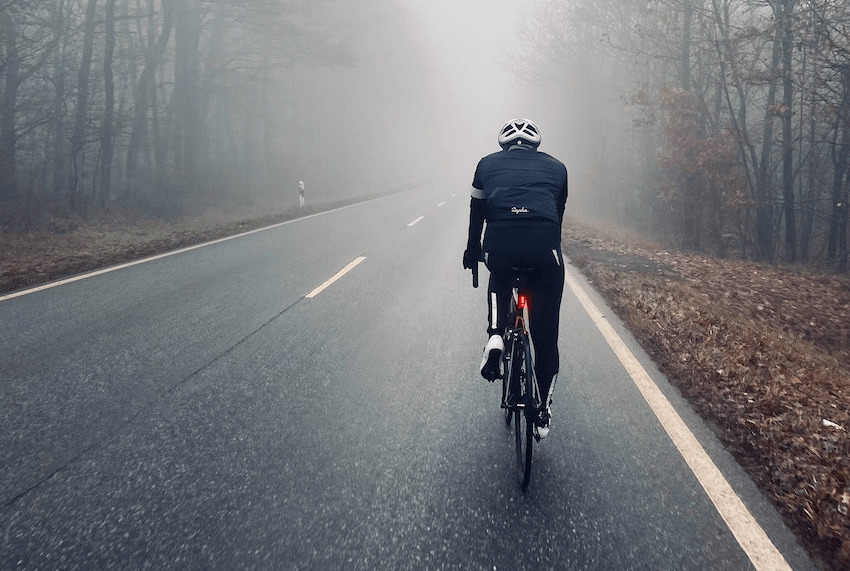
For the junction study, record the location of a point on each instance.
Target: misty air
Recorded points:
(422, 284)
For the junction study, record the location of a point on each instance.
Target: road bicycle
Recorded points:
(520, 391)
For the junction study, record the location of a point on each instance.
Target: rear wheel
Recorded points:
(524, 432)
(523, 428)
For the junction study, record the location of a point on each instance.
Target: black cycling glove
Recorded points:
(471, 257)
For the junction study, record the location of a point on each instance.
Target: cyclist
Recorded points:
(521, 193)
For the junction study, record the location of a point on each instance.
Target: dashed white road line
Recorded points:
(92, 274)
(751, 537)
(335, 277)
(441, 204)
(415, 221)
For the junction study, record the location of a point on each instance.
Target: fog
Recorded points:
(232, 103)
(431, 86)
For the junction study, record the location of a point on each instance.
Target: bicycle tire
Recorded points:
(524, 422)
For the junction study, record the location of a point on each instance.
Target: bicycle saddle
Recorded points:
(520, 276)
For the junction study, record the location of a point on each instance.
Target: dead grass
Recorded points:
(35, 258)
(762, 353)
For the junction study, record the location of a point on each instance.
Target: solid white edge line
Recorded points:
(335, 277)
(94, 273)
(415, 221)
(750, 536)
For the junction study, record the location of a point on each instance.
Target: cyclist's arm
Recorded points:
(477, 210)
(562, 199)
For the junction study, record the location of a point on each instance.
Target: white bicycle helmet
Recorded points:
(519, 130)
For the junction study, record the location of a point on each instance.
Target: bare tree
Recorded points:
(140, 101)
(784, 14)
(746, 65)
(142, 94)
(81, 114)
(11, 83)
(57, 121)
(107, 135)
(837, 245)
(189, 100)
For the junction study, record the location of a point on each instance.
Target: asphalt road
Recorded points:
(199, 411)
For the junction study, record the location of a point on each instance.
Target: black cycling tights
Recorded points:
(546, 286)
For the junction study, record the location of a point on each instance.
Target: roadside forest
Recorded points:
(141, 103)
(718, 126)
(160, 108)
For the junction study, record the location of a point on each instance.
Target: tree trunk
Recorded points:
(689, 183)
(808, 201)
(837, 244)
(60, 154)
(79, 133)
(729, 76)
(841, 255)
(142, 93)
(789, 205)
(187, 96)
(838, 221)
(685, 54)
(8, 136)
(106, 136)
(764, 196)
(126, 85)
(807, 222)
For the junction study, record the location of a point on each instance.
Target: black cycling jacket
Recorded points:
(522, 194)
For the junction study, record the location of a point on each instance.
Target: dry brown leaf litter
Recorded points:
(762, 353)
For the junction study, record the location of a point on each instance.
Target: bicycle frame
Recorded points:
(522, 308)
(516, 346)
(519, 333)
(520, 392)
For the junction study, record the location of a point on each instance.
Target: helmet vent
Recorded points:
(519, 130)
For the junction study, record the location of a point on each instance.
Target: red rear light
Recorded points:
(522, 302)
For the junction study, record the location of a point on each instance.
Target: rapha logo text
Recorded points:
(519, 210)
